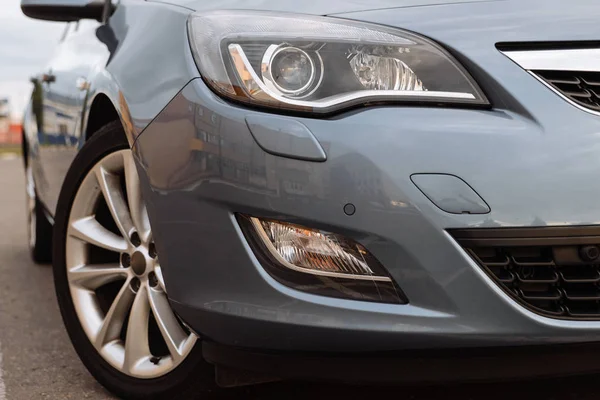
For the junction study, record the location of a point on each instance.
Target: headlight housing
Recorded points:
(320, 64)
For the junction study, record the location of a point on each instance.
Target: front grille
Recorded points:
(582, 88)
(554, 271)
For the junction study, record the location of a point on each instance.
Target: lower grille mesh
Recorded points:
(581, 87)
(552, 271)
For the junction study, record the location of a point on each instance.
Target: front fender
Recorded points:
(146, 61)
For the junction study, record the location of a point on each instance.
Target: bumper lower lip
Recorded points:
(200, 166)
(413, 366)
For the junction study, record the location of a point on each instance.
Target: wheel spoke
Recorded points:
(115, 317)
(94, 276)
(137, 207)
(90, 231)
(111, 189)
(169, 326)
(136, 341)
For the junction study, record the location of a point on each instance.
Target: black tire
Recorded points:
(39, 229)
(193, 375)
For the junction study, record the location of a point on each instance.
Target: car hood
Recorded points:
(500, 21)
(316, 7)
(447, 20)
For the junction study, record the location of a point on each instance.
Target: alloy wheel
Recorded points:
(115, 277)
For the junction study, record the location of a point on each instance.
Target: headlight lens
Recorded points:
(291, 71)
(320, 64)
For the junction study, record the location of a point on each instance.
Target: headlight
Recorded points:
(320, 64)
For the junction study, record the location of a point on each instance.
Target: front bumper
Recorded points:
(534, 164)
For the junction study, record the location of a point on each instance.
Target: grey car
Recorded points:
(233, 192)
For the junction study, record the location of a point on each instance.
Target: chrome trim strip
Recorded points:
(267, 242)
(557, 60)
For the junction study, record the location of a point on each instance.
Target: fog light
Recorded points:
(321, 262)
(315, 252)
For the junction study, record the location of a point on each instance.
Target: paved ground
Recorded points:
(37, 361)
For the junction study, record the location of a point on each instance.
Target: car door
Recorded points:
(65, 87)
(43, 99)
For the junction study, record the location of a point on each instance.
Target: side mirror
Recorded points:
(64, 10)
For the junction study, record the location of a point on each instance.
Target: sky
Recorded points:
(26, 46)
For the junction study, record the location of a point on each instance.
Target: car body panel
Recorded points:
(60, 133)
(532, 157)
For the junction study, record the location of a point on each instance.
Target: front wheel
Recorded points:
(109, 281)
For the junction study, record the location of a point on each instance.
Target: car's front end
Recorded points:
(462, 217)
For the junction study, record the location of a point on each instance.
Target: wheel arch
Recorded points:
(101, 112)
(140, 71)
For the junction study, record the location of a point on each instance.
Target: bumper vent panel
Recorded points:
(582, 88)
(553, 271)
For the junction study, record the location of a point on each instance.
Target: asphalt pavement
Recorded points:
(38, 362)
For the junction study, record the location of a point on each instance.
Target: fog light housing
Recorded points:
(319, 262)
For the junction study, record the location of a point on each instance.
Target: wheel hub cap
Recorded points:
(139, 263)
